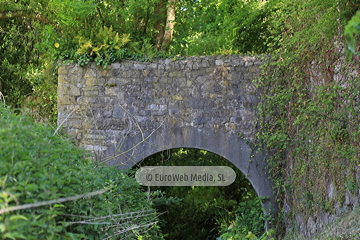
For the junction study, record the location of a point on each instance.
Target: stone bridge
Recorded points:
(131, 110)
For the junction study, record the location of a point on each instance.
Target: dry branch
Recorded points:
(44, 203)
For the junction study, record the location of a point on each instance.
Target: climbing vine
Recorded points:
(309, 113)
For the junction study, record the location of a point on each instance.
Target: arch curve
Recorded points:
(228, 145)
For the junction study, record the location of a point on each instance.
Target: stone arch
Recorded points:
(228, 145)
(199, 102)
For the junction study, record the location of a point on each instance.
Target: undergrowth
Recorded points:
(38, 165)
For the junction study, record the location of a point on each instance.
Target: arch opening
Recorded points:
(201, 212)
(228, 145)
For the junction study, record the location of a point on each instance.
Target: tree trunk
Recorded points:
(169, 28)
(159, 26)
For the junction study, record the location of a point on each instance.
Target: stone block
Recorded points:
(249, 63)
(201, 79)
(179, 82)
(63, 70)
(196, 65)
(62, 79)
(90, 73)
(204, 63)
(110, 91)
(75, 69)
(115, 65)
(176, 74)
(94, 148)
(118, 112)
(75, 123)
(140, 66)
(74, 91)
(104, 72)
(76, 79)
(66, 100)
(89, 93)
(219, 62)
(311, 226)
(201, 103)
(92, 81)
(153, 66)
(188, 65)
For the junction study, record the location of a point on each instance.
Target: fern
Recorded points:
(104, 35)
(124, 39)
(85, 47)
(104, 44)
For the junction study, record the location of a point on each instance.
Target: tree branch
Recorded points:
(59, 200)
(9, 15)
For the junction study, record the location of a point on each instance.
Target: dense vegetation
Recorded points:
(309, 116)
(205, 212)
(38, 166)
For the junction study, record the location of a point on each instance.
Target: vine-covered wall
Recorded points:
(310, 113)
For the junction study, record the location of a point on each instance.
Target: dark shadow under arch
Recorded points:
(228, 145)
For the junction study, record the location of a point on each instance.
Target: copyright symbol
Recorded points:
(149, 177)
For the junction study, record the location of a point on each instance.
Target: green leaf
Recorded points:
(250, 235)
(14, 235)
(18, 217)
(2, 227)
(59, 205)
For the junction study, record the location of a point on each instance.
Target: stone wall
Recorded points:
(340, 203)
(212, 91)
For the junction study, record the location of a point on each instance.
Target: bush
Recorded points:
(249, 223)
(38, 166)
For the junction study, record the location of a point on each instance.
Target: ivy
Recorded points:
(309, 109)
(352, 30)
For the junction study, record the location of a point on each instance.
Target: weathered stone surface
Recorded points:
(142, 108)
(311, 226)
(74, 91)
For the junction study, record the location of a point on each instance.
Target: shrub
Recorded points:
(249, 223)
(38, 166)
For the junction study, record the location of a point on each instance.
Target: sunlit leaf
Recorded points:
(2, 227)
(18, 217)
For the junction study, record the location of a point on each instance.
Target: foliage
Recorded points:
(222, 27)
(351, 32)
(43, 83)
(309, 109)
(198, 212)
(249, 217)
(248, 224)
(16, 53)
(106, 47)
(35, 35)
(37, 166)
(233, 235)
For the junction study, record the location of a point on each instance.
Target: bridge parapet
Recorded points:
(205, 92)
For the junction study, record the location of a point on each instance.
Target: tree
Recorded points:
(169, 27)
